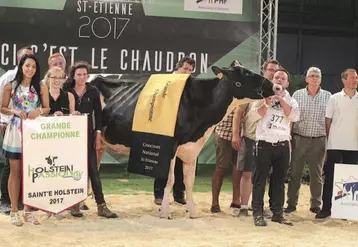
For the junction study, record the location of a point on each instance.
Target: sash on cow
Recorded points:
(154, 122)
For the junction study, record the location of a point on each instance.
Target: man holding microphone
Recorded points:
(272, 147)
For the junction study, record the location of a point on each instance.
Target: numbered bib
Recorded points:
(278, 122)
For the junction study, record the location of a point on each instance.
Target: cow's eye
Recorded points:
(238, 84)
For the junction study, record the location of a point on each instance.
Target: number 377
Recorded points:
(276, 118)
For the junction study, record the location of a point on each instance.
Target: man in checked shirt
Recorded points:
(225, 157)
(309, 140)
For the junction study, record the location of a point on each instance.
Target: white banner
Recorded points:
(345, 192)
(215, 6)
(55, 170)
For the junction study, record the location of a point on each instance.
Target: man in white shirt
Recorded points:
(4, 120)
(272, 149)
(244, 142)
(342, 132)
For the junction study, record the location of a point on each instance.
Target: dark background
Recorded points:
(320, 33)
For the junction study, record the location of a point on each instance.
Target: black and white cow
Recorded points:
(351, 188)
(203, 104)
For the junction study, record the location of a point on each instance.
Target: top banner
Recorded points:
(132, 37)
(216, 6)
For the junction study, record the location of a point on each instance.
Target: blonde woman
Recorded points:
(61, 102)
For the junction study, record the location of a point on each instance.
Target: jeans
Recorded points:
(93, 171)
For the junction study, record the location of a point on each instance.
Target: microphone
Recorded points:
(277, 88)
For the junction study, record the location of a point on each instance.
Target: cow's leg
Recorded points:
(164, 208)
(189, 179)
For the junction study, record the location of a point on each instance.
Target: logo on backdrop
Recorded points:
(347, 191)
(215, 6)
(212, 1)
(53, 170)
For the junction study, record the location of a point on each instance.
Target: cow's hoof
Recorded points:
(193, 215)
(164, 213)
(190, 207)
(164, 216)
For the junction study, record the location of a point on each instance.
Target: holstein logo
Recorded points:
(53, 171)
(347, 191)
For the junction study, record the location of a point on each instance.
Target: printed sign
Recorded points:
(55, 170)
(110, 34)
(215, 6)
(345, 192)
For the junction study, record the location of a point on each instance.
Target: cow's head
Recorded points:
(246, 83)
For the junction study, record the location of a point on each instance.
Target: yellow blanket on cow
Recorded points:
(157, 107)
(154, 121)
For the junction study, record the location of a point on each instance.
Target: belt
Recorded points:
(282, 143)
(309, 137)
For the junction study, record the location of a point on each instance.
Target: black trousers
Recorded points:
(276, 156)
(179, 186)
(5, 198)
(269, 178)
(334, 156)
(93, 171)
(270, 189)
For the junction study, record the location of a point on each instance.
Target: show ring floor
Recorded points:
(139, 225)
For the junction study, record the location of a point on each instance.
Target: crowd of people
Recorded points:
(258, 140)
(26, 96)
(262, 139)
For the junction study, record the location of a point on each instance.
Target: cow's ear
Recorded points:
(220, 72)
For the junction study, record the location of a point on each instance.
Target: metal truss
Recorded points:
(268, 30)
